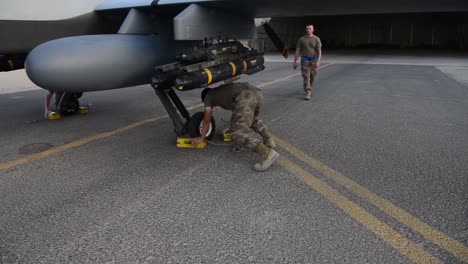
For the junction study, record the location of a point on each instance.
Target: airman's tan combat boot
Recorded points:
(268, 139)
(269, 156)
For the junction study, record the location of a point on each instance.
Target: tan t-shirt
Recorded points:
(224, 95)
(310, 46)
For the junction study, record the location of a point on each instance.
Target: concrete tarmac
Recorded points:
(373, 169)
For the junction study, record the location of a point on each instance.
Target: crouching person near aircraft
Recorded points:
(245, 101)
(65, 104)
(47, 113)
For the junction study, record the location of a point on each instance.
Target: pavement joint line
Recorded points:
(290, 76)
(414, 252)
(430, 233)
(80, 142)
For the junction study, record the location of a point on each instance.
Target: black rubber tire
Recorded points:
(193, 126)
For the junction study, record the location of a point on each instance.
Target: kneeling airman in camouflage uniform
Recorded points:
(245, 101)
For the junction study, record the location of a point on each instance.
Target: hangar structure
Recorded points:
(412, 30)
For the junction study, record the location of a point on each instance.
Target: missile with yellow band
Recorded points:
(220, 72)
(209, 74)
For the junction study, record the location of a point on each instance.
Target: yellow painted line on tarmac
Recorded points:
(290, 76)
(44, 154)
(74, 144)
(406, 247)
(428, 232)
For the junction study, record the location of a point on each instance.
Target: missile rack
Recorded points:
(200, 68)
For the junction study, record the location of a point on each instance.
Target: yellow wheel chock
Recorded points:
(84, 110)
(227, 135)
(187, 143)
(54, 116)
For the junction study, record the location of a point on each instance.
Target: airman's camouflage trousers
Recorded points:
(244, 121)
(309, 71)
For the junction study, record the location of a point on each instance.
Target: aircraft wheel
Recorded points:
(194, 126)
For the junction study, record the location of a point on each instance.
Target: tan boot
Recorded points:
(270, 143)
(267, 160)
(268, 139)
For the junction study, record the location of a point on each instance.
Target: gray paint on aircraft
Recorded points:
(282, 8)
(45, 10)
(119, 4)
(99, 62)
(197, 22)
(18, 37)
(137, 22)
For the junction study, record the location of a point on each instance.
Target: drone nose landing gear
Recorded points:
(183, 122)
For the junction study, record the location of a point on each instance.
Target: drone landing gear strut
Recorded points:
(183, 122)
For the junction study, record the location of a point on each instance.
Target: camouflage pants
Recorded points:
(309, 71)
(244, 121)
